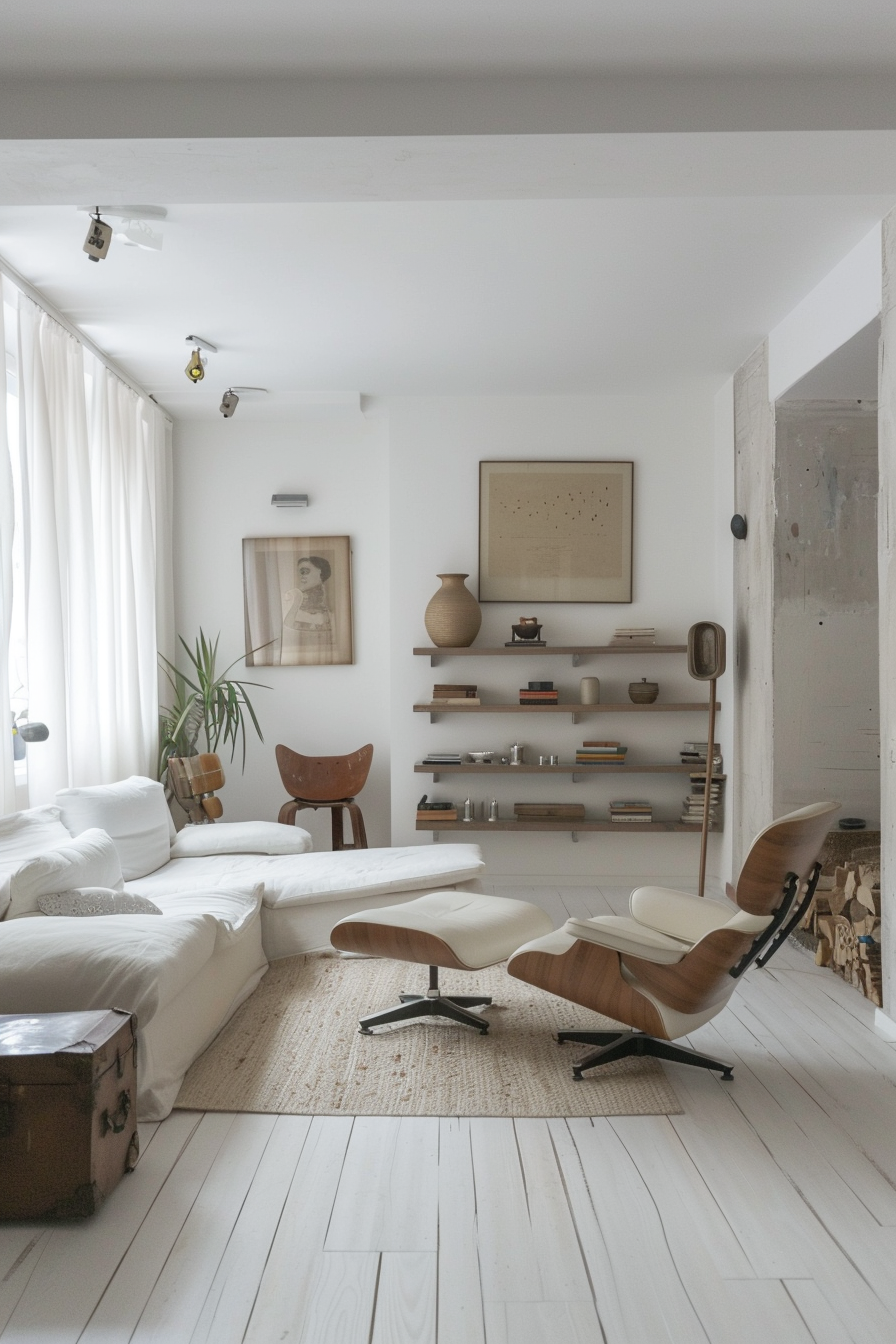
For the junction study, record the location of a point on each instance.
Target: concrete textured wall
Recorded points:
(826, 695)
(887, 584)
(751, 788)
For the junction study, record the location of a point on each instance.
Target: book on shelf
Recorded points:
(631, 805)
(635, 818)
(599, 760)
(540, 686)
(431, 814)
(442, 758)
(539, 695)
(604, 744)
(548, 811)
(634, 635)
(452, 689)
(455, 700)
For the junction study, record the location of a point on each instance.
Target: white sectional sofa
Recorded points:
(228, 905)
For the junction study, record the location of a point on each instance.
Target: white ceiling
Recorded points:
(227, 36)
(441, 263)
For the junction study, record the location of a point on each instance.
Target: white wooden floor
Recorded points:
(766, 1214)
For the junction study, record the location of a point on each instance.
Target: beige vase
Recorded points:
(453, 616)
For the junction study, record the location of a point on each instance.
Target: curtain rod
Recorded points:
(42, 302)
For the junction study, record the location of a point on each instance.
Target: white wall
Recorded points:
(435, 448)
(225, 474)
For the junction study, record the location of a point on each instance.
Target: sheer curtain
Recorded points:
(96, 506)
(7, 524)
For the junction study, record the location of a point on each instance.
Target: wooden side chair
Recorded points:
(326, 781)
(193, 781)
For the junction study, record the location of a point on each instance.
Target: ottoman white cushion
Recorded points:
(480, 930)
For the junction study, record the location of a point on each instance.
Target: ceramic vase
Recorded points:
(453, 616)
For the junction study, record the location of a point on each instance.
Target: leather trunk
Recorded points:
(68, 1111)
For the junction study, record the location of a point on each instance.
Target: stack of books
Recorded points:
(549, 811)
(448, 694)
(442, 758)
(601, 753)
(628, 811)
(693, 804)
(539, 693)
(430, 811)
(694, 753)
(638, 636)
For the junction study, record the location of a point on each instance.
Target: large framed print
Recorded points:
(555, 531)
(298, 600)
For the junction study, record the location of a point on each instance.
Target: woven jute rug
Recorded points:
(294, 1049)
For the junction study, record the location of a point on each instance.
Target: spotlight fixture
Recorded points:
(195, 370)
(230, 400)
(99, 236)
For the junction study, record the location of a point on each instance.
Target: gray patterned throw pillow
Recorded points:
(82, 901)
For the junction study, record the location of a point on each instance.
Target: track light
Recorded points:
(230, 400)
(99, 236)
(195, 370)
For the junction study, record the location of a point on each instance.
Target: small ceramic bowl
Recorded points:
(481, 757)
(643, 692)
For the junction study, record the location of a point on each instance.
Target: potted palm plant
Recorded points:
(208, 708)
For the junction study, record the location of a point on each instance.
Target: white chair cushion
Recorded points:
(622, 934)
(89, 860)
(679, 914)
(480, 930)
(240, 837)
(133, 812)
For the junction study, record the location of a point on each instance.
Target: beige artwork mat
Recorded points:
(297, 601)
(555, 531)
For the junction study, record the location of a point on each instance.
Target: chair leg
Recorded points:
(287, 814)
(431, 1004)
(359, 832)
(336, 827)
(614, 1045)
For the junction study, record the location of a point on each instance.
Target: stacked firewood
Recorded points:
(845, 919)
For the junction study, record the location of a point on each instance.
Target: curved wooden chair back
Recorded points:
(324, 779)
(193, 781)
(791, 844)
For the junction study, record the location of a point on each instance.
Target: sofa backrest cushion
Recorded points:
(240, 837)
(89, 860)
(134, 812)
(23, 835)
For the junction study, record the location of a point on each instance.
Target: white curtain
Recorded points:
(7, 525)
(96, 485)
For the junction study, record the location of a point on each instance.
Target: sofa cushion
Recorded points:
(240, 837)
(133, 812)
(24, 835)
(233, 907)
(88, 860)
(66, 965)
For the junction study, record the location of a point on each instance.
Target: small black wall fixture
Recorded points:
(739, 526)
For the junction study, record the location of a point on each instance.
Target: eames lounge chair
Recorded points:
(674, 961)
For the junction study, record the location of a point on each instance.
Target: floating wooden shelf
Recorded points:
(582, 768)
(567, 826)
(574, 709)
(574, 651)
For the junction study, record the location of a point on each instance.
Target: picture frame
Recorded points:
(297, 595)
(555, 531)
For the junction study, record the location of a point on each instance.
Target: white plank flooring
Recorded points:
(765, 1214)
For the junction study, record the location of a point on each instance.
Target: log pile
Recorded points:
(845, 920)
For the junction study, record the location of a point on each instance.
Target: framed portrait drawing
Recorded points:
(555, 531)
(298, 600)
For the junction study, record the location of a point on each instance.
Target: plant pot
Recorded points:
(643, 692)
(453, 616)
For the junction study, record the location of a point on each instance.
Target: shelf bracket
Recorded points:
(434, 660)
(574, 837)
(433, 717)
(575, 660)
(576, 779)
(435, 837)
(575, 718)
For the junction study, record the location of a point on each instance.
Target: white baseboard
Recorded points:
(883, 1025)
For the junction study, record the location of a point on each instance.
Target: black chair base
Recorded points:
(431, 1004)
(622, 1044)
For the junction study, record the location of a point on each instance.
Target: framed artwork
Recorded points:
(298, 600)
(555, 531)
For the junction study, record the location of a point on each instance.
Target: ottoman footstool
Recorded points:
(461, 930)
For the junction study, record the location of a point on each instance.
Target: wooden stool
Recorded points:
(326, 781)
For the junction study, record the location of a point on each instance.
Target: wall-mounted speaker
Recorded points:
(706, 651)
